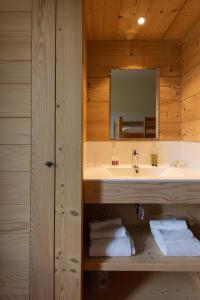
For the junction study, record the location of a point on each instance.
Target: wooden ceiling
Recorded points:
(117, 19)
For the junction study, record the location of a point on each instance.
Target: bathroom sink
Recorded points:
(131, 172)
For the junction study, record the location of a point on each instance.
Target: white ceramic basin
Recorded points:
(131, 172)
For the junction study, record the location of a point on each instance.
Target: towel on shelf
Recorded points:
(188, 247)
(168, 224)
(174, 238)
(104, 224)
(172, 235)
(112, 247)
(108, 232)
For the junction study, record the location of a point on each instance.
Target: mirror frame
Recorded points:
(157, 106)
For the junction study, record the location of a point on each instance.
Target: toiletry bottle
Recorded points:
(154, 156)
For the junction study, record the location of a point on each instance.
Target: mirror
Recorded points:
(134, 104)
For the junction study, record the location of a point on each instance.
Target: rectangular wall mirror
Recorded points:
(134, 104)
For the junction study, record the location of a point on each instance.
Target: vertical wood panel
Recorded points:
(43, 143)
(68, 246)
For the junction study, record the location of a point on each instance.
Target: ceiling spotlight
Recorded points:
(141, 21)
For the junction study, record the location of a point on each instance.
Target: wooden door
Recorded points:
(68, 219)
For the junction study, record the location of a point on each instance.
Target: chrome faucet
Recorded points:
(135, 160)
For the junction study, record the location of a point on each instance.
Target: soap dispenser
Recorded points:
(154, 156)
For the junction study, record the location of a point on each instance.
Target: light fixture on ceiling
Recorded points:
(141, 21)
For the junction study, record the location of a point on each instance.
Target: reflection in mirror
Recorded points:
(134, 104)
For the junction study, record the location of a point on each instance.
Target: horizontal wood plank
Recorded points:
(14, 219)
(15, 5)
(170, 131)
(15, 158)
(14, 278)
(15, 131)
(15, 48)
(99, 191)
(14, 188)
(191, 83)
(15, 23)
(15, 72)
(99, 89)
(14, 248)
(15, 100)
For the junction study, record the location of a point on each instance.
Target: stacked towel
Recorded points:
(174, 238)
(110, 238)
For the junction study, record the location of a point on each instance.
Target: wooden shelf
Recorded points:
(148, 258)
(146, 285)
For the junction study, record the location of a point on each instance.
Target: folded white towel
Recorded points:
(172, 235)
(109, 232)
(168, 224)
(189, 247)
(104, 224)
(112, 247)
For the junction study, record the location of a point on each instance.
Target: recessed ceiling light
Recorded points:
(141, 20)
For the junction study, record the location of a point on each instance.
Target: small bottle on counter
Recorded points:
(154, 156)
(115, 160)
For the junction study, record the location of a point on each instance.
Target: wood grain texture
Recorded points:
(68, 226)
(15, 100)
(15, 72)
(162, 55)
(43, 143)
(15, 219)
(117, 20)
(148, 257)
(14, 188)
(84, 83)
(15, 48)
(14, 266)
(146, 285)
(15, 148)
(99, 191)
(190, 86)
(15, 23)
(15, 5)
(15, 158)
(14, 278)
(15, 131)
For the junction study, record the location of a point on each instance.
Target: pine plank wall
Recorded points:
(15, 147)
(179, 118)
(191, 85)
(179, 65)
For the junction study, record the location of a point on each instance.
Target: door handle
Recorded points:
(49, 164)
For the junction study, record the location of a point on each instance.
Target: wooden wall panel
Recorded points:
(163, 55)
(15, 158)
(15, 72)
(14, 188)
(18, 221)
(43, 150)
(15, 23)
(15, 148)
(14, 266)
(15, 48)
(191, 85)
(84, 84)
(15, 100)
(68, 226)
(15, 131)
(15, 5)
